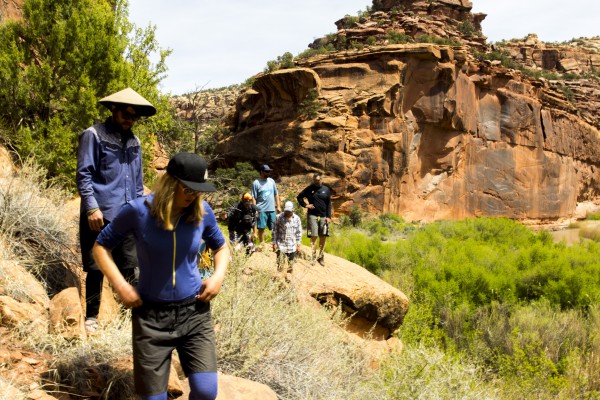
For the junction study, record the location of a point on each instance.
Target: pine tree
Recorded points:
(58, 61)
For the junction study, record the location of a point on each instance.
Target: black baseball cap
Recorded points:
(191, 170)
(265, 168)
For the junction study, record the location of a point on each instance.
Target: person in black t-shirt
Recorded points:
(316, 198)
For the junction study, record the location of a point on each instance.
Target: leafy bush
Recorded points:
(355, 216)
(500, 55)
(466, 28)
(58, 61)
(308, 53)
(310, 106)
(436, 40)
(284, 61)
(349, 21)
(231, 183)
(396, 37)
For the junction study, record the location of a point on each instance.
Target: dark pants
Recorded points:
(158, 329)
(281, 257)
(124, 255)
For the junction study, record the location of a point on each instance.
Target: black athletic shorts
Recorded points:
(158, 329)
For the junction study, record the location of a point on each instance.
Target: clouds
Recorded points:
(219, 43)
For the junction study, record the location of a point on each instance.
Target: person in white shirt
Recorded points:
(287, 236)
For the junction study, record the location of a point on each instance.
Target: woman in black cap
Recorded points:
(170, 303)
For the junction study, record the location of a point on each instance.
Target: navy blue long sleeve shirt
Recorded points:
(168, 259)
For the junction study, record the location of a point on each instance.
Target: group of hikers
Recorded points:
(261, 209)
(148, 246)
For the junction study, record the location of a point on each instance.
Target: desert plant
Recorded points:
(355, 216)
(284, 61)
(266, 335)
(232, 183)
(310, 106)
(101, 364)
(466, 28)
(32, 218)
(58, 61)
(396, 37)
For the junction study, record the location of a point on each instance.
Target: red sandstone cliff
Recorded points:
(429, 131)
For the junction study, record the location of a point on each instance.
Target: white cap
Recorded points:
(289, 206)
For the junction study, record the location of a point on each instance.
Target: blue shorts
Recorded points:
(266, 219)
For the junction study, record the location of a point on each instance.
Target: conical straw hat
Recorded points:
(132, 98)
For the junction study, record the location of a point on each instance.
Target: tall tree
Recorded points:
(58, 61)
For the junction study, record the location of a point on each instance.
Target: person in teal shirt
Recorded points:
(266, 199)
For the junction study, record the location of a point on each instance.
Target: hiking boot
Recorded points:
(91, 325)
(321, 260)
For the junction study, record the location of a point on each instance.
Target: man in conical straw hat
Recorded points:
(109, 174)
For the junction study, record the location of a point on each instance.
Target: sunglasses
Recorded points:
(189, 192)
(129, 116)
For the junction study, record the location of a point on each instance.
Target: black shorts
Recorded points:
(158, 329)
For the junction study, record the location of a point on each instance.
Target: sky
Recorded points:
(220, 43)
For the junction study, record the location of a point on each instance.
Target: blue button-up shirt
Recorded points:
(109, 172)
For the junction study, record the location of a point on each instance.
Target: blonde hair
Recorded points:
(162, 203)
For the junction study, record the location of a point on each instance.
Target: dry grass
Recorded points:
(91, 365)
(32, 217)
(427, 373)
(266, 335)
(8, 391)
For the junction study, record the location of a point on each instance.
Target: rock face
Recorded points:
(11, 9)
(427, 131)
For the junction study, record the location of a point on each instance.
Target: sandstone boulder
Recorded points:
(375, 306)
(66, 314)
(234, 388)
(27, 316)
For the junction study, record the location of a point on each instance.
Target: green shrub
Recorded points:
(231, 183)
(396, 37)
(284, 61)
(466, 28)
(500, 55)
(436, 40)
(58, 61)
(349, 21)
(308, 53)
(310, 106)
(355, 216)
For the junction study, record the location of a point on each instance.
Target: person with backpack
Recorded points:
(242, 223)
